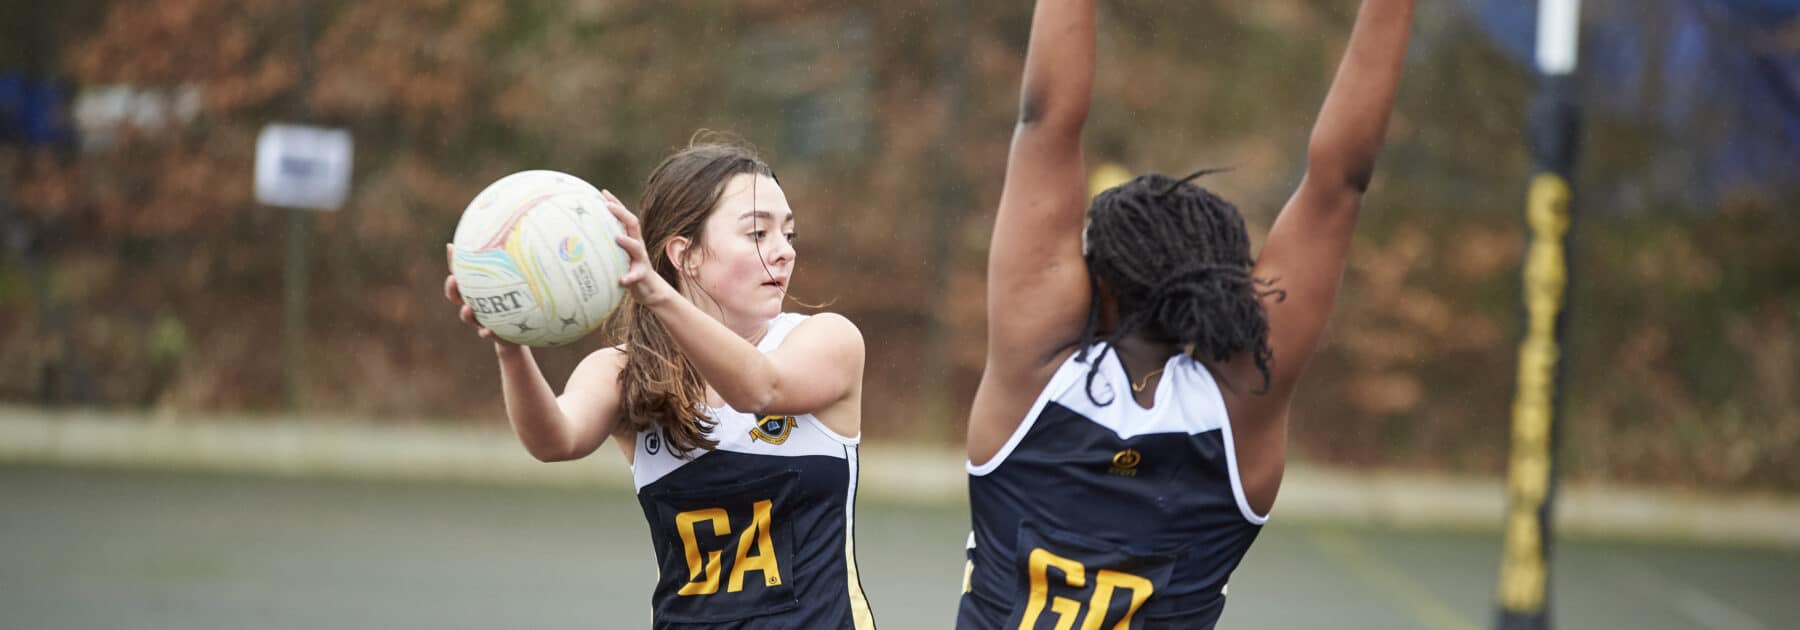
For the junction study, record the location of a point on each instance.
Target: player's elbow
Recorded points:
(1356, 180)
(552, 456)
(1342, 162)
(1031, 107)
(552, 452)
(1350, 173)
(1044, 109)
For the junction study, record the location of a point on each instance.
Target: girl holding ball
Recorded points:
(741, 422)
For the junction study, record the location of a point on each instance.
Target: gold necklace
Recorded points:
(1144, 382)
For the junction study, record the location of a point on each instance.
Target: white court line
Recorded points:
(1697, 605)
(1382, 576)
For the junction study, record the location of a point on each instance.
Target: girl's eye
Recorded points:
(757, 235)
(793, 237)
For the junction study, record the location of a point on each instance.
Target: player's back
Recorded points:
(1097, 513)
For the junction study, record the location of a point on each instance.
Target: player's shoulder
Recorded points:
(613, 356)
(1022, 376)
(829, 325)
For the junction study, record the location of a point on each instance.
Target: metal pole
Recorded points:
(61, 379)
(294, 376)
(1554, 130)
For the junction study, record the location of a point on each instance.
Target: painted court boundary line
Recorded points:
(1388, 580)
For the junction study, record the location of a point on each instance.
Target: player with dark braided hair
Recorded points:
(1141, 238)
(1129, 433)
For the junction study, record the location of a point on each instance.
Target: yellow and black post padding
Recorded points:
(1554, 131)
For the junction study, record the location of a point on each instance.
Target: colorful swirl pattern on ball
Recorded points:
(530, 268)
(571, 249)
(490, 262)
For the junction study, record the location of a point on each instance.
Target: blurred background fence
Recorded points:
(140, 273)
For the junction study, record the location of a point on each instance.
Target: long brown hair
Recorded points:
(659, 387)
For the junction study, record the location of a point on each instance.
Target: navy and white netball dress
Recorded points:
(1109, 515)
(756, 533)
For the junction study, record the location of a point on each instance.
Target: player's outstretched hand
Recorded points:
(646, 286)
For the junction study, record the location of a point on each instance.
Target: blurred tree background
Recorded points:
(140, 272)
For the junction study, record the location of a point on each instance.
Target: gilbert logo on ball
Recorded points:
(535, 258)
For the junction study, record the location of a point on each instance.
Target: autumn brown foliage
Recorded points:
(888, 122)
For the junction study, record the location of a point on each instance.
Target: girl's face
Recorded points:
(739, 272)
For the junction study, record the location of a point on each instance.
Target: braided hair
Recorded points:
(1177, 259)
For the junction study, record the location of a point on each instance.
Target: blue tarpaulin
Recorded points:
(32, 111)
(1717, 80)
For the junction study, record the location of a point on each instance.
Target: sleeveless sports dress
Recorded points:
(759, 531)
(1109, 515)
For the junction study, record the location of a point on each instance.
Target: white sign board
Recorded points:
(303, 167)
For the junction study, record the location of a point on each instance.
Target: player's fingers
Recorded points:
(452, 292)
(467, 315)
(490, 335)
(634, 250)
(611, 198)
(624, 215)
(632, 276)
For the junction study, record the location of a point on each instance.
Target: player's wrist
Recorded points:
(509, 350)
(654, 292)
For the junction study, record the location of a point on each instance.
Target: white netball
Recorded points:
(534, 257)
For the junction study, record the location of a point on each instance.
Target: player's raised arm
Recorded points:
(1306, 249)
(1304, 256)
(1038, 291)
(1037, 282)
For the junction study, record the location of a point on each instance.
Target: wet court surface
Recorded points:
(82, 548)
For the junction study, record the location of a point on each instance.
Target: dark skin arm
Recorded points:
(1306, 249)
(1037, 281)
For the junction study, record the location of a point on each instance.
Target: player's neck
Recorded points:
(1144, 360)
(1137, 346)
(1141, 354)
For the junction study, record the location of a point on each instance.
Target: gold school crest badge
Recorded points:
(773, 429)
(1125, 463)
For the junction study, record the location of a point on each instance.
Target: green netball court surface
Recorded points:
(93, 548)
